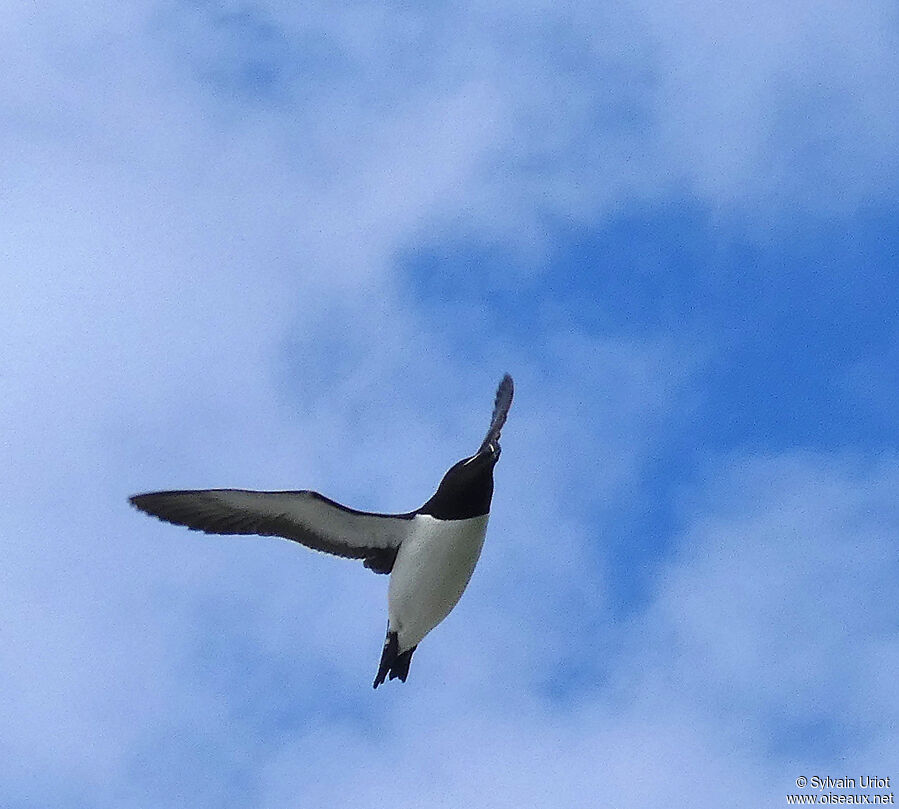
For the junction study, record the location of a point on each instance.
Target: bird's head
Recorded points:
(467, 488)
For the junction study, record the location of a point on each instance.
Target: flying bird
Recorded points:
(430, 553)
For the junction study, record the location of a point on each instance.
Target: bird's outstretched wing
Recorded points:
(500, 410)
(305, 517)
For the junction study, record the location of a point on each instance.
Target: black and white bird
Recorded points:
(430, 553)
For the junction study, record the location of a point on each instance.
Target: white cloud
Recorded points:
(781, 591)
(489, 120)
(774, 103)
(775, 616)
(159, 263)
(200, 291)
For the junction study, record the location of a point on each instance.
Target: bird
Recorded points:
(429, 553)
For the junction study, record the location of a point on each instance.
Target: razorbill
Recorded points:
(430, 553)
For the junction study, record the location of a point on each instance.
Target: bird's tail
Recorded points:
(393, 662)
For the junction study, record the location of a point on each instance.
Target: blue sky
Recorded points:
(269, 246)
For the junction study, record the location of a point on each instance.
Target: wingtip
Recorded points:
(147, 503)
(139, 501)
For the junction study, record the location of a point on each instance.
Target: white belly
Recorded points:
(430, 574)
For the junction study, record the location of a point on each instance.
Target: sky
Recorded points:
(278, 246)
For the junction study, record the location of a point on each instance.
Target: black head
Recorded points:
(467, 488)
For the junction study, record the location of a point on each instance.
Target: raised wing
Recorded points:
(305, 517)
(500, 410)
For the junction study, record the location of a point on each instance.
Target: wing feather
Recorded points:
(302, 516)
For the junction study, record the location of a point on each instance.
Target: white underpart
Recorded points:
(432, 569)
